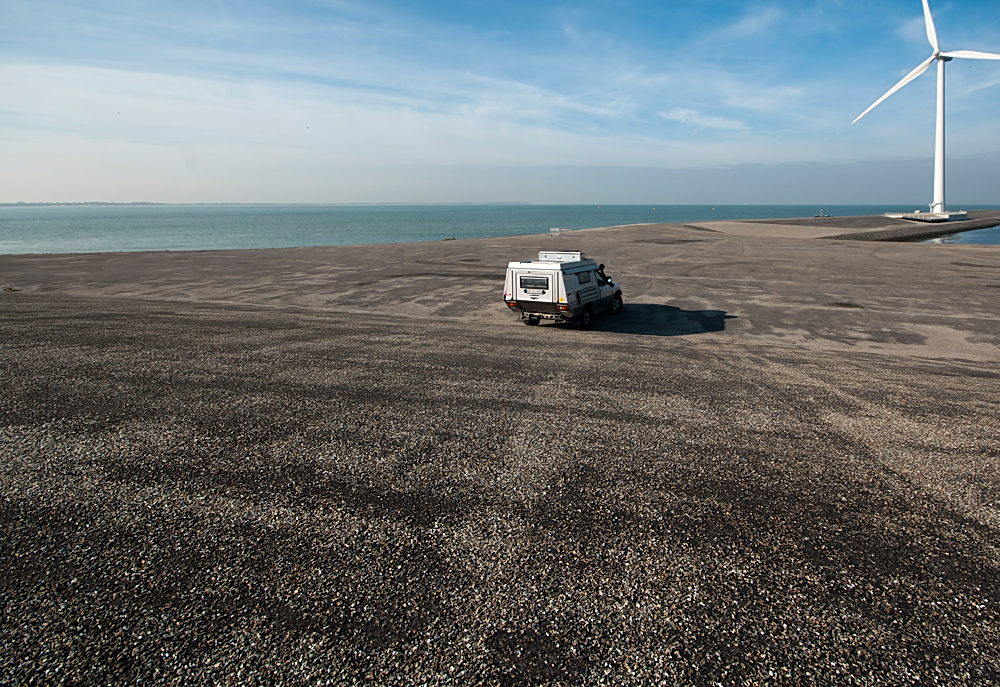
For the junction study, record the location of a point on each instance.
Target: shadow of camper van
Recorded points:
(651, 319)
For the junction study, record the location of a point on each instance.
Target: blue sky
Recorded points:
(699, 101)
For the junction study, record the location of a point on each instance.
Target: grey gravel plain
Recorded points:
(780, 465)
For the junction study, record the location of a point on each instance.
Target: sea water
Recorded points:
(990, 236)
(141, 227)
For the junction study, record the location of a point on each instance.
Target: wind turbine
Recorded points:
(937, 207)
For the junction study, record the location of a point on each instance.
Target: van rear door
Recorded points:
(536, 291)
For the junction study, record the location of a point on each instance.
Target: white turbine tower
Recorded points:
(937, 207)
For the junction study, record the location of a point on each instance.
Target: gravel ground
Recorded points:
(205, 494)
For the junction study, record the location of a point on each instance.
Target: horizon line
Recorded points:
(471, 203)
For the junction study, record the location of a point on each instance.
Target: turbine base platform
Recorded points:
(929, 216)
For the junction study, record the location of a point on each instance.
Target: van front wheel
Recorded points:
(617, 304)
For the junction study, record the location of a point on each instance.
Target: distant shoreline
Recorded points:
(148, 203)
(821, 206)
(58, 204)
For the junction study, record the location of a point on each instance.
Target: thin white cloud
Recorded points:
(756, 21)
(764, 98)
(914, 30)
(990, 82)
(696, 118)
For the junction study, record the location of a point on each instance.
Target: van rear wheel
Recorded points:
(532, 320)
(587, 318)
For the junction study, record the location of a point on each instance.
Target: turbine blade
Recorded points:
(971, 54)
(905, 80)
(929, 24)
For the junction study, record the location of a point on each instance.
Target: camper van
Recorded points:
(560, 286)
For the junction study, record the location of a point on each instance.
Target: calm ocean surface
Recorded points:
(122, 228)
(989, 236)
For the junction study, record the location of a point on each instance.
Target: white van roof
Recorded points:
(554, 261)
(561, 256)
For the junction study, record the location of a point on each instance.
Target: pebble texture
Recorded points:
(196, 493)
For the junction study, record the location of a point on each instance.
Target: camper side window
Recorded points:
(584, 277)
(534, 282)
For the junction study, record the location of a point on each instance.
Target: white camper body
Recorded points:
(560, 286)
